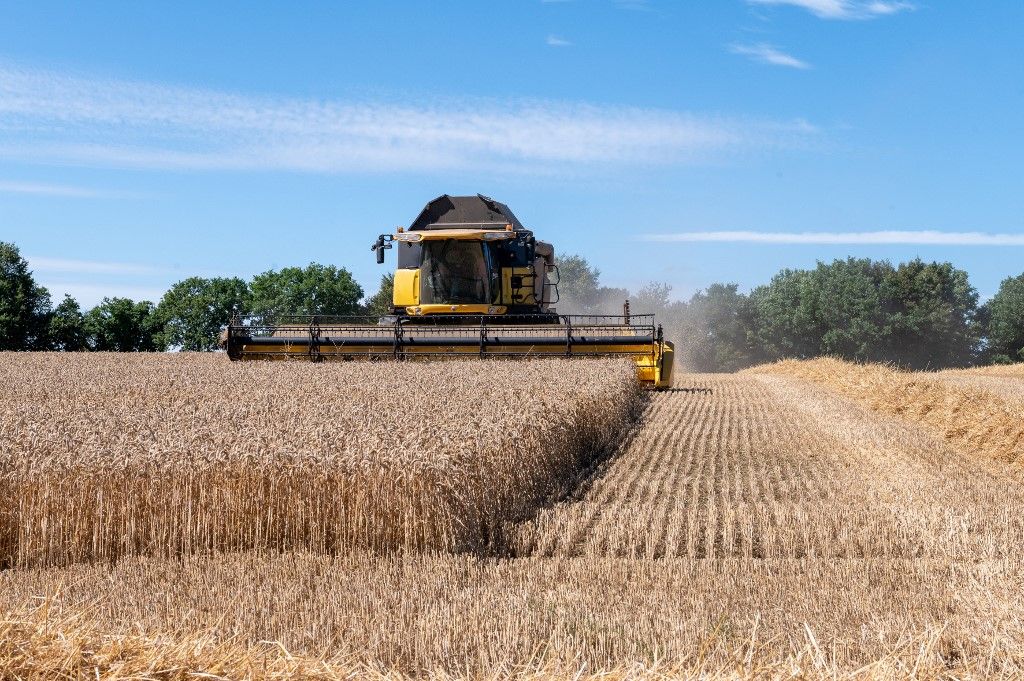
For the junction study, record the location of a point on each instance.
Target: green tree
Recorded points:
(715, 330)
(1006, 322)
(312, 290)
(192, 312)
(578, 284)
(844, 299)
(24, 306)
(785, 324)
(381, 302)
(918, 314)
(833, 309)
(120, 325)
(933, 315)
(580, 290)
(67, 326)
(652, 298)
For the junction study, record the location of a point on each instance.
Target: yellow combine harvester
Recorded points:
(471, 281)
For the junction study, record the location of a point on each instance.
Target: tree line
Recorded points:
(916, 314)
(189, 316)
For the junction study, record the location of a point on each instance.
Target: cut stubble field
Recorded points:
(501, 519)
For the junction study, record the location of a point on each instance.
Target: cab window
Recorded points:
(454, 271)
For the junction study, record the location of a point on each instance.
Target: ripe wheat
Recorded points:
(108, 455)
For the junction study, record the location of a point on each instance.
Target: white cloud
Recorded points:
(48, 117)
(843, 9)
(43, 264)
(10, 187)
(912, 237)
(769, 54)
(556, 41)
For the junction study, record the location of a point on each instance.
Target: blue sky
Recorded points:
(684, 142)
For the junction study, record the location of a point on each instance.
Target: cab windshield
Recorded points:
(454, 271)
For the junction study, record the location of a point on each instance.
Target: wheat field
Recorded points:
(804, 520)
(113, 455)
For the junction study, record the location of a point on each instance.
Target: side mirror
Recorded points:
(383, 242)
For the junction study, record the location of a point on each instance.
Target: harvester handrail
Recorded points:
(268, 320)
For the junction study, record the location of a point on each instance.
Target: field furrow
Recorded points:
(941, 500)
(728, 470)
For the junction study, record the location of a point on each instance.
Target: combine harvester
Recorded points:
(471, 281)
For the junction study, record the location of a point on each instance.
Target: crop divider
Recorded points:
(568, 336)
(397, 339)
(314, 340)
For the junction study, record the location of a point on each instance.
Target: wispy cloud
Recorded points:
(769, 54)
(63, 265)
(48, 117)
(557, 41)
(61, 190)
(913, 237)
(843, 9)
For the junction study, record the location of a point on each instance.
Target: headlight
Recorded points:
(408, 236)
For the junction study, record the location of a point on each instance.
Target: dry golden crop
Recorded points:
(1002, 370)
(108, 455)
(48, 641)
(1006, 382)
(975, 418)
(757, 525)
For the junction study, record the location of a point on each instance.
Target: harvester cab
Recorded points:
(469, 255)
(470, 281)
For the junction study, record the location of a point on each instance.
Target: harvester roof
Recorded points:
(465, 212)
